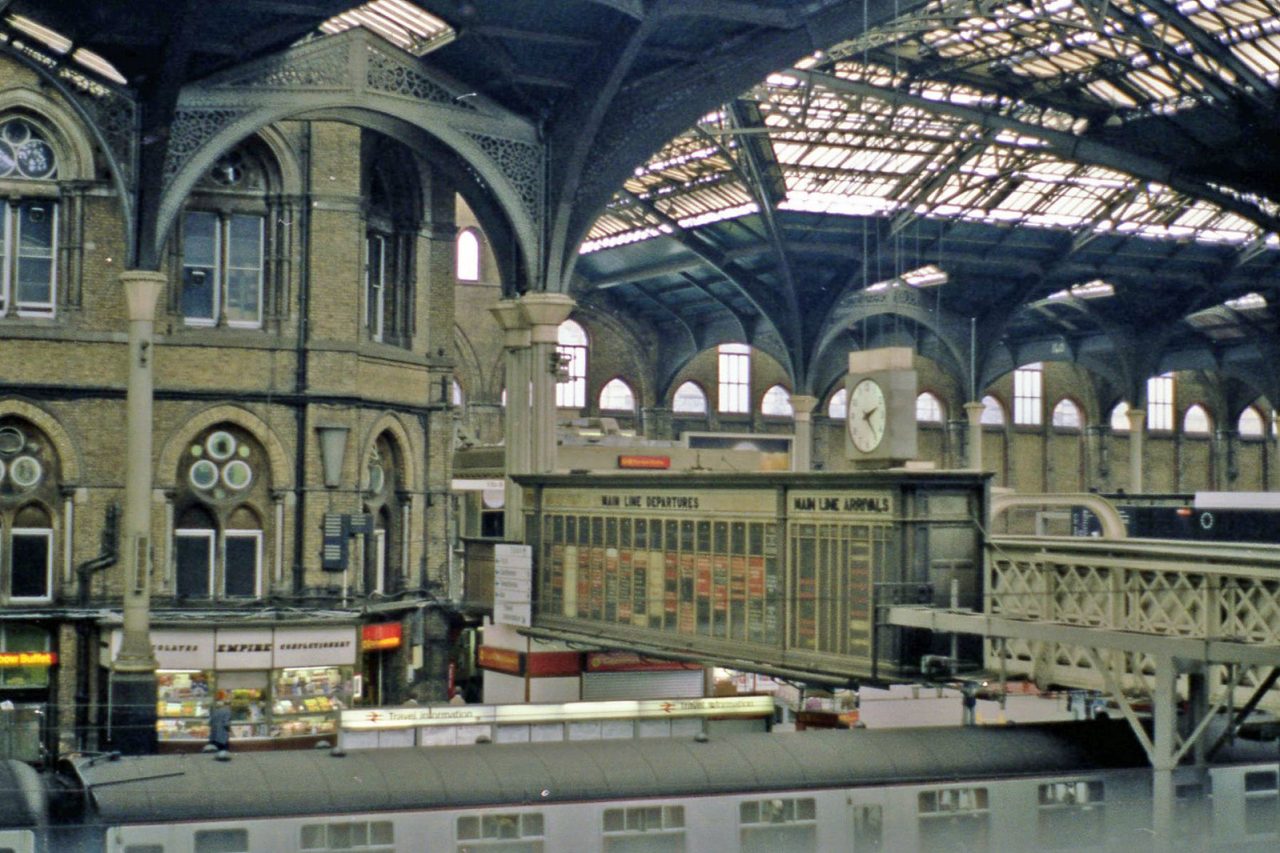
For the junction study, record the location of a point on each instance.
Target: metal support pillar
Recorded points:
(802, 445)
(543, 312)
(133, 675)
(973, 457)
(1137, 417)
(516, 427)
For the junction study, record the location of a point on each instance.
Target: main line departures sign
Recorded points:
(785, 573)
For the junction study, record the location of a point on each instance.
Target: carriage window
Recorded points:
(511, 833)
(954, 817)
(128, 848)
(1261, 803)
(1070, 814)
(778, 824)
(649, 829)
(375, 836)
(868, 828)
(222, 841)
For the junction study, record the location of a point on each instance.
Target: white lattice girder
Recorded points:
(1185, 648)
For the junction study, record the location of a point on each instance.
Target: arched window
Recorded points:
(1066, 415)
(1028, 394)
(393, 220)
(218, 536)
(1160, 402)
(456, 396)
(223, 244)
(1196, 421)
(383, 500)
(735, 378)
(838, 407)
(1120, 417)
(776, 402)
(571, 392)
(929, 409)
(28, 488)
(468, 250)
(616, 395)
(1251, 424)
(689, 399)
(29, 241)
(992, 412)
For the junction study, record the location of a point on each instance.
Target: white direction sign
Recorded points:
(512, 585)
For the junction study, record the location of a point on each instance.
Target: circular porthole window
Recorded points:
(220, 445)
(11, 440)
(237, 475)
(25, 471)
(204, 474)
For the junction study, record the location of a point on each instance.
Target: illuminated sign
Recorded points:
(380, 637)
(10, 660)
(660, 462)
(621, 709)
(501, 660)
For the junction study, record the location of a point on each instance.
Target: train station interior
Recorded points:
(404, 373)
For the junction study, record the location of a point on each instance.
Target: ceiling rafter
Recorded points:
(1068, 146)
(757, 292)
(1260, 91)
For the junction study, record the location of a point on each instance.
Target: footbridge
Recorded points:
(1193, 629)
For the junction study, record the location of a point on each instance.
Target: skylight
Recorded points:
(402, 23)
(1096, 289)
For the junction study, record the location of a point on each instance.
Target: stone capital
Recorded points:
(803, 405)
(512, 322)
(544, 312)
(142, 288)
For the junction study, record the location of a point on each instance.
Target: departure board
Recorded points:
(783, 570)
(628, 558)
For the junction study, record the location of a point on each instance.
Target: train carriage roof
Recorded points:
(185, 787)
(21, 802)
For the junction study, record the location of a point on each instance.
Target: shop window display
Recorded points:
(285, 703)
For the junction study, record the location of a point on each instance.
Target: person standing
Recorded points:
(220, 726)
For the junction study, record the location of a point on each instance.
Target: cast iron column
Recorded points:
(133, 674)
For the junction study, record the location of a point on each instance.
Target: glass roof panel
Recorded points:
(400, 22)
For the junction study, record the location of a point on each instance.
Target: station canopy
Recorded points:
(1067, 174)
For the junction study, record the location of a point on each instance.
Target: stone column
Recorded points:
(133, 676)
(544, 312)
(802, 445)
(655, 423)
(1136, 417)
(973, 457)
(1225, 467)
(516, 418)
(1095, 437)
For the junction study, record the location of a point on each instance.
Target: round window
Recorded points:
(220, 445)
(237, 474)
(11, 440)
(204, 474)
(25, 471)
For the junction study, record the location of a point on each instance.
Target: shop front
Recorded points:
(27, 666)
(285, 686)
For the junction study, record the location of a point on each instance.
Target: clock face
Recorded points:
(866, 415)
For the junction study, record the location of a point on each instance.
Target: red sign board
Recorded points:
(381, 637)
(9, 660)
(632, 662)
(632, 461)
(555, 664)
(501, 660)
